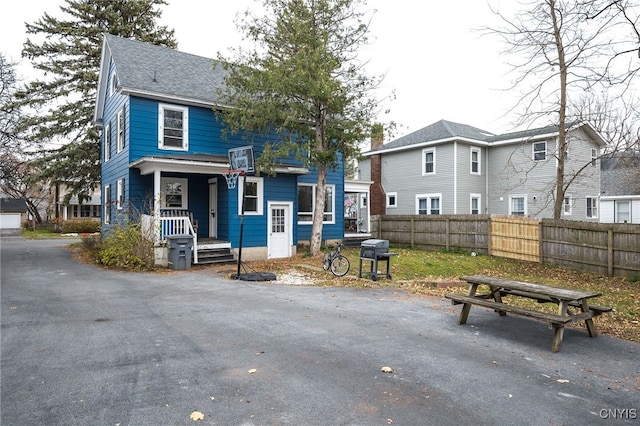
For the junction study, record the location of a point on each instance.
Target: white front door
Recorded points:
(213, 208)
(280, 228)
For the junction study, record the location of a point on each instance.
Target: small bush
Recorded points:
(127, 247)
(81, 226)
(92, 246)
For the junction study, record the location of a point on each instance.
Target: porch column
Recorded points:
(156, 194)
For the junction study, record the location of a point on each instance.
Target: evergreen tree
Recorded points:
(304, 82)
(68, 53)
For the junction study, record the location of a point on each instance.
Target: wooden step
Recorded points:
(215, 256)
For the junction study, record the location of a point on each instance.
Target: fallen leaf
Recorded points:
(196, 415)
(387, 370)
(253, 370)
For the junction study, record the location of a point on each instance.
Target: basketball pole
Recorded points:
(244, 192)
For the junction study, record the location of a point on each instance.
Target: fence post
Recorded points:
(489, 236)
(610, 252)
(540, 242)
(446, 231)
(413, 230)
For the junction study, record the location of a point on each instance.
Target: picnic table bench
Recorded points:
(563, 297)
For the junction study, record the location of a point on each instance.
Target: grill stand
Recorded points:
(374, 265)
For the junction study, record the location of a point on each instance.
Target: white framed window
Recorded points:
(429, 161)
(475, 203)
(567, 205)
(173, 123)
(107, 204)
(120, 130)
(428, 203)
(623, 211)
(85, 210)
(592, 207)
(475, 161)
(107, 142)
(594, 156)
(363, 201)
(392, 200)
(113, 84)
(518, 205)
(539, 151)
(120, 194)
(254, 198)
(174, 193)
(306, 203)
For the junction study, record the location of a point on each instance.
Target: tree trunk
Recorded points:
(318, 211)
(562, 111)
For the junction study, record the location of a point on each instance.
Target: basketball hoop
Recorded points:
(231, 176)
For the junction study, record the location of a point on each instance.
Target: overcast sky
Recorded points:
(438, 64)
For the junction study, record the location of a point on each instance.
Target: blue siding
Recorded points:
(205, 136)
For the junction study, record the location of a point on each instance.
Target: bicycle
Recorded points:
(335, 261)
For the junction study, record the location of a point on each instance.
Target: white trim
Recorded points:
(424, 161)
(428, 198)
(120, 194)
(395, 197)
(106, 219)
(107, 141)
(120, 136)
(565, 205)
(260, 195)
(511, 197)
(185, 126)
(479, 151)
(533, 150)
(473, 196)
(313, 186)
(596, 208)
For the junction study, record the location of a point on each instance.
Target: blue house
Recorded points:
(164, 157)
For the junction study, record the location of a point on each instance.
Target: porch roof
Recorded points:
(182, 163)
(198, 163)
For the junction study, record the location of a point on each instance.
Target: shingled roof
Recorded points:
(13, 205)
(158, 72)
(439, 131)
(447, 131)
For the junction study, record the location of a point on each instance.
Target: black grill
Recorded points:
(374, 251)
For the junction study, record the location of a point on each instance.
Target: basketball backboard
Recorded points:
(241, 159)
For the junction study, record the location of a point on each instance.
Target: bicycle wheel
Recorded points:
(326, 261)
(340, 266)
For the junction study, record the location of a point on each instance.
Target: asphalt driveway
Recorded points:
(84, 346)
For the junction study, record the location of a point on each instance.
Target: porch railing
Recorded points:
(163, 227)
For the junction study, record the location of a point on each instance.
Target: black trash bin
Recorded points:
(180, 247)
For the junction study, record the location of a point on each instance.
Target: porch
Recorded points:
(205, 250)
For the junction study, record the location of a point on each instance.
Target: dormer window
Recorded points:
(173, 124)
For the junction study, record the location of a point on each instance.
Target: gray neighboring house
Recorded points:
(620, 200)
(13, 214)
(453, 168)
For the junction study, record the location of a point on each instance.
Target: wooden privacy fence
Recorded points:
(602, 248)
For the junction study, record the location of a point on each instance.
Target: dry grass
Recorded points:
(419, 272)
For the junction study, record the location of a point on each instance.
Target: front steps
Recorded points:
(215, 256)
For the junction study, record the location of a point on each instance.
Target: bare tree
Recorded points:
(562, 50)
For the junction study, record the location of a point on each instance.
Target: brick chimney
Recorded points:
(378, 201)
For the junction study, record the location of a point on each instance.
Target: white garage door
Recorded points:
(9, 220)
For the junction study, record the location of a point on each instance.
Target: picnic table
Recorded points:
(567, 300)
